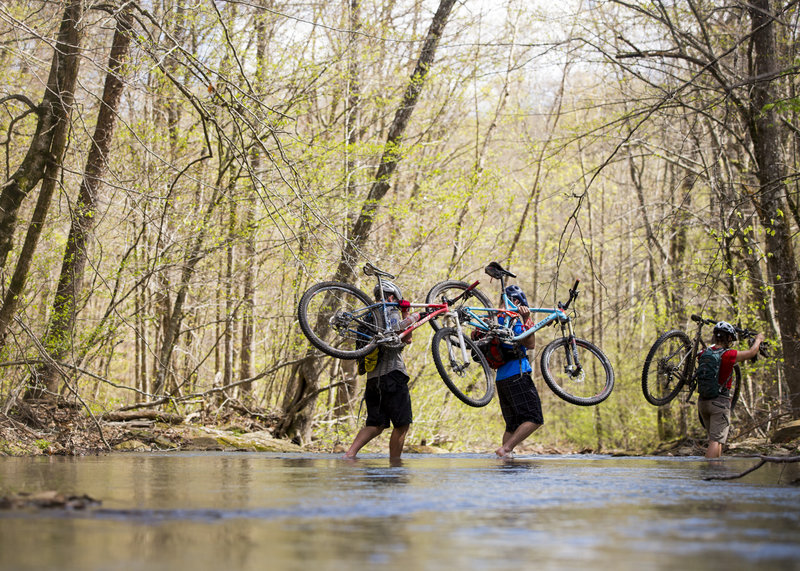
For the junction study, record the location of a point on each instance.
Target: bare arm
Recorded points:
(752, 351)
(406, 338)
(530, 341)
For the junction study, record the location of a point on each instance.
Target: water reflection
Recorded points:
(256, 511)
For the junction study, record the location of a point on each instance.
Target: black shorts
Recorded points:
(388, 400)
(519, 401)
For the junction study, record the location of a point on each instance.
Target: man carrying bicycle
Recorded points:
(715, 412)
(386, 395)
(519, 399)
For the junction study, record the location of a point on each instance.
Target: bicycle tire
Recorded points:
(737, 385)
(456, 287)
(664, 369)
(326, 302)
(587, 388)
(471, 381)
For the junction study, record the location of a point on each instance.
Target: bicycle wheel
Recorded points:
(471, 380)
(330, 314)
(453, 288)
(589, 385)
(663, 373)
(736, 386)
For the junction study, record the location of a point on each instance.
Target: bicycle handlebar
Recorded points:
(741, 333)
(573, 293)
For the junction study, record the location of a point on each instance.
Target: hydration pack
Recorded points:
(707, 374)
(368, 362)
(496, 353)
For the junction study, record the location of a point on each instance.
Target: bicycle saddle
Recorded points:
(496, 271)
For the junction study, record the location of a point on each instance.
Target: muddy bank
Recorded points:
(45, 429)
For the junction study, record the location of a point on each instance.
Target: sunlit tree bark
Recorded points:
(59, 337)
(43, 161)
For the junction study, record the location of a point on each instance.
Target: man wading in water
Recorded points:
(387, 396)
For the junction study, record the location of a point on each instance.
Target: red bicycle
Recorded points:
(344, 322)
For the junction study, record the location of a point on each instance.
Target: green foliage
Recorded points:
(264, 162)
(43, 445)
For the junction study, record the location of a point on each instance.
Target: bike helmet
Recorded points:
(388, 289)
(515, 294)
(724, 328)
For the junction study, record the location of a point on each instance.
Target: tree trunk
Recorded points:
(44, 155)
(297, 423)
(770, 200)
(58, 340)
(51, 143)
(345, 393)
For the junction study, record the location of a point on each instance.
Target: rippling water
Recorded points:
(307, 512)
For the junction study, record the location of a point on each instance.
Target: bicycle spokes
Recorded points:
(666, 367)
(577, 371)
(462, 367)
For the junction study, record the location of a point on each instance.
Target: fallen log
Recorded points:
(158, 416)
(47, 500)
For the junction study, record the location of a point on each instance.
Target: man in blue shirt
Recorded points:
(519, 399)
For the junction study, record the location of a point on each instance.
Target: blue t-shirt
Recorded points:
(515, 367)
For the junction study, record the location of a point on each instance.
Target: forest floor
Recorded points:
(47, 429)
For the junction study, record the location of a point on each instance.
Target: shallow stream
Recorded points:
(234, 510)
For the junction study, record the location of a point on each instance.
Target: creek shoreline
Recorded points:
(78, 435)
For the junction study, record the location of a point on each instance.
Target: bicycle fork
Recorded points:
(462, 346)
(573, 366)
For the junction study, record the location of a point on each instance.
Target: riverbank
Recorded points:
(68, 431)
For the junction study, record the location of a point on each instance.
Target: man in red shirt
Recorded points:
(716, 412)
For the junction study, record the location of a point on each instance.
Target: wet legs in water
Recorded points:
(511, 439)
(396, 440)
(714, 449)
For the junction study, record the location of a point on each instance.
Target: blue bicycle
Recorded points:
(575, 369)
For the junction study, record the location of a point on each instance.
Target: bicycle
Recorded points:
(671, 362)
(344, 322)
(575, 369)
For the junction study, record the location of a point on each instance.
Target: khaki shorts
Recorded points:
(716, 415)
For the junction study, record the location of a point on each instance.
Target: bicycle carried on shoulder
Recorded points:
(575, 369)
(344, 322)
(672, 360)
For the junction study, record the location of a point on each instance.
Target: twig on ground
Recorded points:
(764, 460)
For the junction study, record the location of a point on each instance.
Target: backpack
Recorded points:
(369, 361)
(707, 374)
(496, 353)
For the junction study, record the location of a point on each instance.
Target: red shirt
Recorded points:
(726, 367)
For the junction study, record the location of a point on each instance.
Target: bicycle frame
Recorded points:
(697, 343)
(685, 373)
(482, 318)
(432, 311)
(512, 313)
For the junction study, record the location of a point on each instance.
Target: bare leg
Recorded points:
(396, 441)
(714, 449)
(511, 439)
(364, 435)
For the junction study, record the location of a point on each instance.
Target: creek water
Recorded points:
(229, 510)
